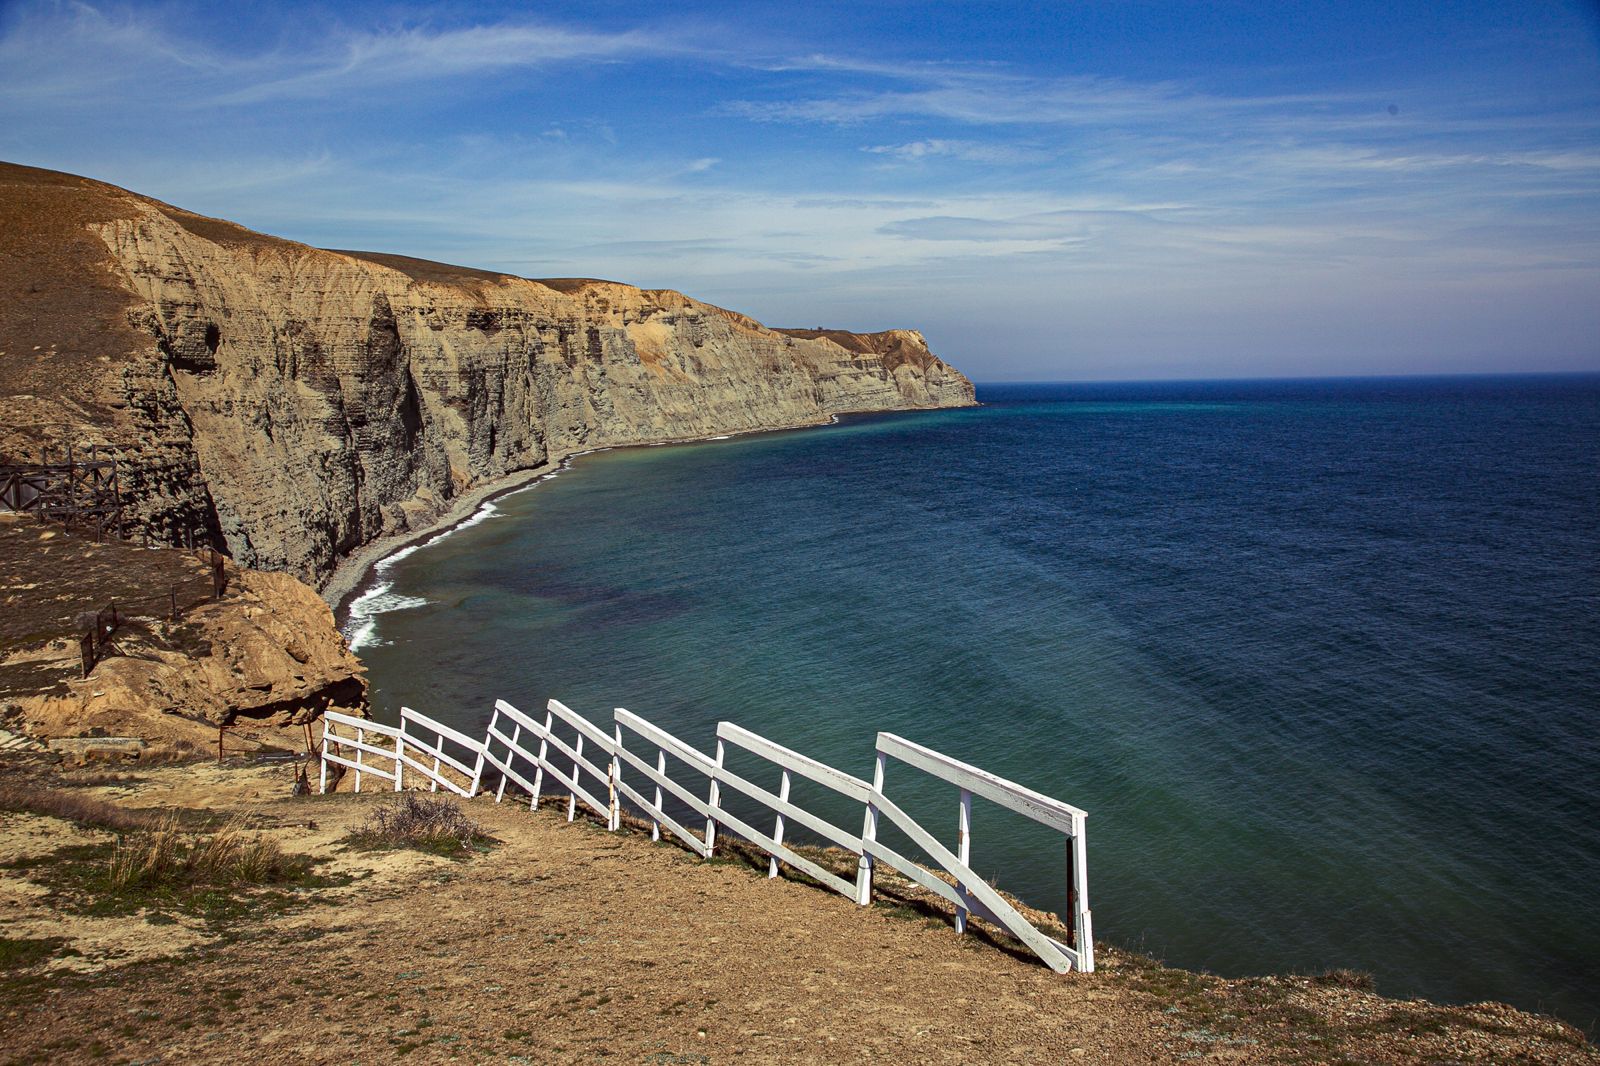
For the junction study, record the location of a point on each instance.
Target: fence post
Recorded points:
(616, 782)
(516, 736)
(713, 800)
(322, 784)
(572, 800)
(777, 826)
(1078, 897)
(477, 769)
(869, 832)
(661, 768)
(399, 760)
(361, 738)
(538, 771)
(88, 643)
(964, 853)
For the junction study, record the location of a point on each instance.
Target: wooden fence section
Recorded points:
(71, 489)
(596, 764)
(348, 749)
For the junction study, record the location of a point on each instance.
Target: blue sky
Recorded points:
(1049, 191)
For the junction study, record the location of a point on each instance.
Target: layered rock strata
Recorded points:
(294, 403)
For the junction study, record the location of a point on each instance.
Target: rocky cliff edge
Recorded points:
(291, 403)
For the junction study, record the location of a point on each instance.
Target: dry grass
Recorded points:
(433, 825)
(98, 780)
(166, 855)
(33, 798)
(1355, 980)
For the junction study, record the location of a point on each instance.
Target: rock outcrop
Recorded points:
(178, 660)
(294, 403)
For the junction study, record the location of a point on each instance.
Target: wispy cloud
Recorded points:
(420, 53)
(963, 150)
(76, 50)
(991, 97)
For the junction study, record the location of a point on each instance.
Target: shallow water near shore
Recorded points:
(1321, 659)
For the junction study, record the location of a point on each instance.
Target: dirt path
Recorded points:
(566, 943)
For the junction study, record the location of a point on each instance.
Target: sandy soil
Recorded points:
(566, 943)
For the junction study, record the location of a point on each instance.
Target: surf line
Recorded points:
(374, 595)
(378, 597)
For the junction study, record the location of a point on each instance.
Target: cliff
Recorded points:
(294, 403)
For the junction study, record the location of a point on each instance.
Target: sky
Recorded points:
(1111, 189)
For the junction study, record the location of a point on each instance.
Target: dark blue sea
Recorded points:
(1320, 658)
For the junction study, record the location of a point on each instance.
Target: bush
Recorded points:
(434, 825)
(1355, 980)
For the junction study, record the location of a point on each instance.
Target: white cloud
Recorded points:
(422, 53)
(75, 51)
(966, 151)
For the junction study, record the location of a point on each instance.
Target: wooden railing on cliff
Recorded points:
(599, 769)
(96, 628)
(89, 491)
(71, 488)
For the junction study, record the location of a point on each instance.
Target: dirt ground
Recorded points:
(48, 578)
(567, 943)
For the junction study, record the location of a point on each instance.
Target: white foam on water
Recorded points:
(361, 627)
(361, 631)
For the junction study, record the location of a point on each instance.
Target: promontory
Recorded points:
(290, 404)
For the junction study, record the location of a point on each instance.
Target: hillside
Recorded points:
(292, 404)
(566, 943)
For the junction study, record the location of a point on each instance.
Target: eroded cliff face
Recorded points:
(298, 403)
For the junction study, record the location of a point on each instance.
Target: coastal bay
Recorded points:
(1171, 605)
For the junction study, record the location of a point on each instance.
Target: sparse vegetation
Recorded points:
(436, 826)
(99, 780)
(16, 953)
(222, 875)
(162, 856)
(1355, 980)
(30, 797)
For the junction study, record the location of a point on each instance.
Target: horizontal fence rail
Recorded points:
(600, 769)
(347, 750)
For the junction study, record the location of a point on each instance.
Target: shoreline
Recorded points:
(353, 575)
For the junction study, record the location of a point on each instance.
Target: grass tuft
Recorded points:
(163, 857)
(1355, 980)
(437, 826)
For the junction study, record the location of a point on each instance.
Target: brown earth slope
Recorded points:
(566, 943)
(294, 403)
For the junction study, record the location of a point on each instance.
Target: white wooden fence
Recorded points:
(599, 769)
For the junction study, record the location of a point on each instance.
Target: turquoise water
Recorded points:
(1319, 658)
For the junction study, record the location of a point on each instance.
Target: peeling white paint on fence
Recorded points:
(599, 769)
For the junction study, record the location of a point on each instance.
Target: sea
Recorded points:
(1320, 658)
